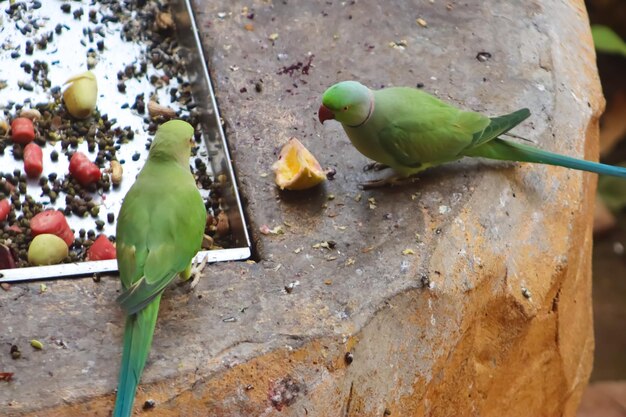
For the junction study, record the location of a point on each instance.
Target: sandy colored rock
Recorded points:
(491, 314)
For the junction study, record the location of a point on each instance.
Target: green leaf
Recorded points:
(612, 190)
(605, 40)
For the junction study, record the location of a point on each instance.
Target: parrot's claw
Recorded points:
(375, 166)
(387, 182)
(196, 272)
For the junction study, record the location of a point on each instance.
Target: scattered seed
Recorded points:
(36, 344)
(483, 56)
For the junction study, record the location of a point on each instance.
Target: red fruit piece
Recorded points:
(22, 130)
(5, 208)
(53, 222)
(33, 160)
(6, 258)
(101, 249)
(85, 171)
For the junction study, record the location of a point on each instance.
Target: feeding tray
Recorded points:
(141, 52)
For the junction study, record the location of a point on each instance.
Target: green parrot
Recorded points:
(409, 130)
(159, 230)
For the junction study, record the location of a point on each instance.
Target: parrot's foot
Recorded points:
(196, 272)
(387, 182)
(375, 166)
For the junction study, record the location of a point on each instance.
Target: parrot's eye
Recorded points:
(346, 108)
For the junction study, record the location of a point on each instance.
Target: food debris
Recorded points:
(6, 376)
(272, 37)
(401, 44)
(291, 286)
(15, 352)
(483, 56)
(421, 22)
(327, 244)
(278, 230)
(36, 344)
(116, 172)
(156, 110)
(43, 288)
(408, 251)
(350, 261)
(372, 203)
(303, 67)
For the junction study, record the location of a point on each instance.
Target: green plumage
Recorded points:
(159, 230)
(410, 130)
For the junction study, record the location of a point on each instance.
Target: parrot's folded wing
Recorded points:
(159, 271)
(412, 142)
(499, 126)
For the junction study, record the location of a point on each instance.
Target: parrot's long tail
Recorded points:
(512, 151)
(137, 341)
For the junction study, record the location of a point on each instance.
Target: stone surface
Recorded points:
(491, 315)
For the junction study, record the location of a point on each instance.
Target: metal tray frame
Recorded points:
(219, 161)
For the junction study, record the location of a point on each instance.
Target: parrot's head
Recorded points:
(173, 141)
(349, 102)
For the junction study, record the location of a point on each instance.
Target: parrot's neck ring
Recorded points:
(369, 113)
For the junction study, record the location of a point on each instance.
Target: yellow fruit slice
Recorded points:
(297, 168)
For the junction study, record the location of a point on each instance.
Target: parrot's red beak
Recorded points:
(324, 114)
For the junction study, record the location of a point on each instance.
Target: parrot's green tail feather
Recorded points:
(137, 341)
(512, 151)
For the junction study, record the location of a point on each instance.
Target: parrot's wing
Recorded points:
(498, 126)
(159, 272)
(412, 141)
(151, 252)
